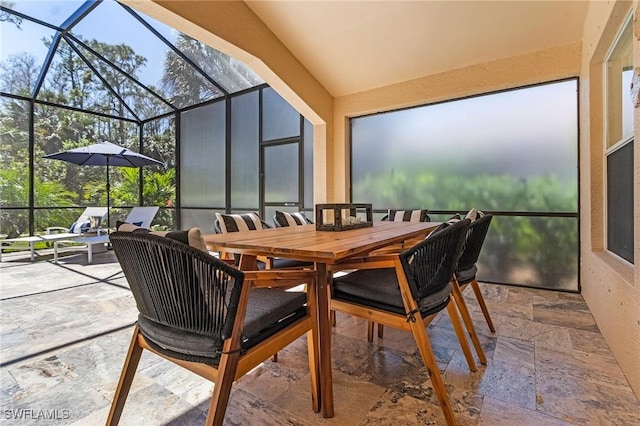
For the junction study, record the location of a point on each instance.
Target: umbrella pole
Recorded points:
(108, 201)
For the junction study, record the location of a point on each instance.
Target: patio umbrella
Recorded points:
(104, 154)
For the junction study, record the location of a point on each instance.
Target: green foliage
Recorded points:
(59, 184)
(528, 250)
(14, 192)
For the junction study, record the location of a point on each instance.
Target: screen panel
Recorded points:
(620, 202)
(280, 120)
(244, 151)
(281, 179)
(202, 156)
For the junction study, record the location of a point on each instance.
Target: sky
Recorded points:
(109, 23)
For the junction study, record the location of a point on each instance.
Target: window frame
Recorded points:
(612, 147)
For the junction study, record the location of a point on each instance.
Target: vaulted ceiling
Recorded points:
(353, 46)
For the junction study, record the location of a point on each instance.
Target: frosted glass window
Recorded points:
(510, 254)
(202, 156)
(201, 218)
(513, 151)
(281, 173)
(279, 119)
(244, 151)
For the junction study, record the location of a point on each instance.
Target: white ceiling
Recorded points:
(353, 46)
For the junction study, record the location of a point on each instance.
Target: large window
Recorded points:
(512, 153)
(619, 144)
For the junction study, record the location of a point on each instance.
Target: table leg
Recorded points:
(325, 374)
(248, 263)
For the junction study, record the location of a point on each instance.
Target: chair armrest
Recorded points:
(55, 229)
(279, 277)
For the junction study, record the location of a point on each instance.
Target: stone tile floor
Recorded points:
(65, 329)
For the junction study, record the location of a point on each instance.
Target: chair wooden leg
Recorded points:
(426, 352)
(274, 357)
(222, 389)
(370, 327)
(466, 317)
(483, 305)
(126, 378)
(462, 338)
(332, 317)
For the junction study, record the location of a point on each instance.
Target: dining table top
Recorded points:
(304, 242)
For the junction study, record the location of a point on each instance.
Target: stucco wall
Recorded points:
(610, 286)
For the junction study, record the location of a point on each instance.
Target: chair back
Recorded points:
(92, 211)
(407, 216)
(84, 222)
(177, 288)
(283, 219)
(429, 265)
(473, 243)
(238, 223)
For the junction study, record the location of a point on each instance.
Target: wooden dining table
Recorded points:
(327, 250)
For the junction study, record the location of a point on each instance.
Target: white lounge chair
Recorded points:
(79, 226)
(141, 216)
(73, 232)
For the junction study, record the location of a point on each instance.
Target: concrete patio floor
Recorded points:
(65, 330)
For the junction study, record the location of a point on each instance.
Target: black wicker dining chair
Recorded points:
(406, 290)
(208, 317)
(466, 270)
(416, 215)
(465, 274)
(283, 219)
(405, 215)
(247, 222)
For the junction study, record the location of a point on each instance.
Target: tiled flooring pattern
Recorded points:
(65, 330)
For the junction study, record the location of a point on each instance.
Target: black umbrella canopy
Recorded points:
(104, 154)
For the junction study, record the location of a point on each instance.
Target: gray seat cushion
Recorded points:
(279, 262)
(379, 288)
(466, 275)
(268, 311)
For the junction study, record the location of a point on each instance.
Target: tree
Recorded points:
(187, 86)
(14, 190)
